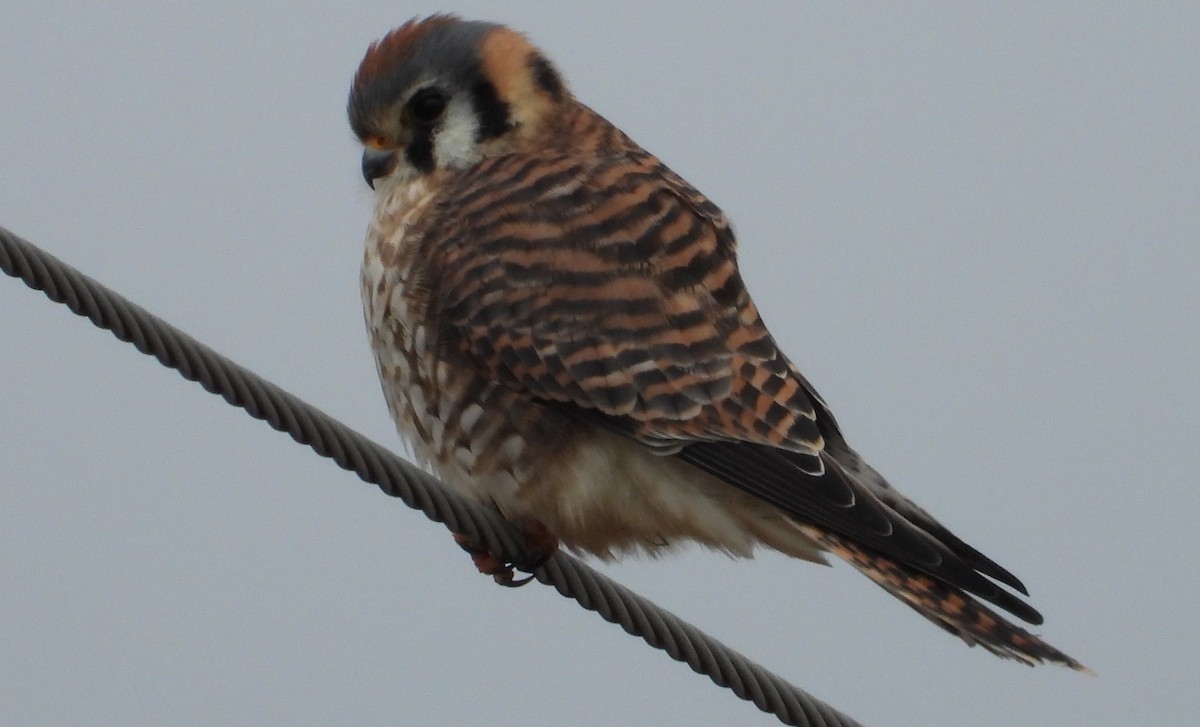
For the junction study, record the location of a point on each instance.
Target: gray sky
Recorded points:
(977, 231)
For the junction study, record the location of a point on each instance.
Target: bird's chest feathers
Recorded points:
(390, 260)
(395, 305)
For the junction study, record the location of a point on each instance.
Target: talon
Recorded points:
(539, 542)
(508, 579)
(488, 564)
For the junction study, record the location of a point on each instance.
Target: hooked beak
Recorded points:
(377, 163)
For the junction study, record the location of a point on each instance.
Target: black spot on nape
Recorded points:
(546, 76)
(490, 109)
(420, 150)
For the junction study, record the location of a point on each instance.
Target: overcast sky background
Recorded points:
(977, 231)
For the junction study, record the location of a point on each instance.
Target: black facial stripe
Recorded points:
(420, 149)
(491, 111)
(546, 76)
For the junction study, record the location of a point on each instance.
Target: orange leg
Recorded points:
(538, 540)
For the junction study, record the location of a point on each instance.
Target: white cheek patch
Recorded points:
(454, 142)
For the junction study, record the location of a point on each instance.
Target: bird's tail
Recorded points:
(945, 605)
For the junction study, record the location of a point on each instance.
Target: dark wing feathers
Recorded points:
(860, 471)
(770, 475)
(607, 287)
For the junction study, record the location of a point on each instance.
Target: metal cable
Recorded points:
(396, 477)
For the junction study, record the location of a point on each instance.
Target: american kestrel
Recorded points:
(562, 333)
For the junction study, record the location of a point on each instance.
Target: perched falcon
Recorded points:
(562, 333)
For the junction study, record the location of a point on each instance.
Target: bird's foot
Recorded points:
(540, 543)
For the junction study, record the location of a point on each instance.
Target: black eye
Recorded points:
(427, 105)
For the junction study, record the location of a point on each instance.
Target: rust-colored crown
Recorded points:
(391, 50)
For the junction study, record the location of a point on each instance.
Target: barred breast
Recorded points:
(438, 407)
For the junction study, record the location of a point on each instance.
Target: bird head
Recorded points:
(445, 93)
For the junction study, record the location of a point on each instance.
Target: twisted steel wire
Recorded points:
(375, 464)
